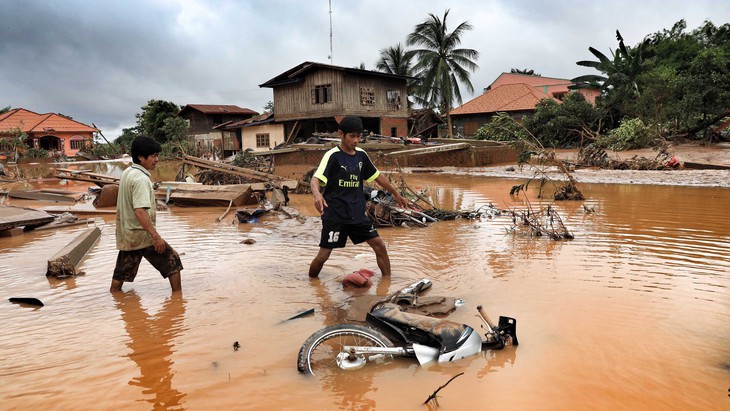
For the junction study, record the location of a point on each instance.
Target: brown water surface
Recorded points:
(632, 314)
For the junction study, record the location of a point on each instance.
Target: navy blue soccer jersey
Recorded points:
(342, 175)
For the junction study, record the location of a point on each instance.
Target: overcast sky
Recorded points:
(100, 61)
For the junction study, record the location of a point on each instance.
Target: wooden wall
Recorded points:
(294, 101)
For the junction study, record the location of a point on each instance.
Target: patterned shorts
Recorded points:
(166, 263)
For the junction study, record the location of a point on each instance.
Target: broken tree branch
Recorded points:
(433, 396)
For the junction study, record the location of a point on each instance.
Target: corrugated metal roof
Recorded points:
(218, 109)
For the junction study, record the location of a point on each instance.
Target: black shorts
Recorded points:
(166, 263)
(334, 235)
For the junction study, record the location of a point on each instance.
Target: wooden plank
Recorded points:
(65, 262)
(429, 150)
(64, 192)
(60, 210)
(36, 195)
(97, 181)
(53, 225)
(12, 216)
(68, 170)
(206, 195)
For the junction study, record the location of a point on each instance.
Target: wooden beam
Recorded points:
(429, 150)
(37, 195)
(64, 263)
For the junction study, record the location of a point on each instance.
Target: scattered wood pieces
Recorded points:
(85, 175)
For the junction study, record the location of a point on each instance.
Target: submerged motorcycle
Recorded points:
(393, 332)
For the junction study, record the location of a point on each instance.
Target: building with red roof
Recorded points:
(50, 131)
(515, 94)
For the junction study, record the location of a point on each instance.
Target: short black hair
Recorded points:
(144, 146)
(350, 124)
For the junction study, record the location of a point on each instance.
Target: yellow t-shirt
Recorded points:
(135, 191)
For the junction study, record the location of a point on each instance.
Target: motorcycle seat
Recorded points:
(447, 332)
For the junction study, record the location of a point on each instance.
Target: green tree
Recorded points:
(618, 81)
(440, 64)
(269, 107)
(398, 60)
(565, 124)
(175, 128)
(529, 72)
(151, 120)
(125, 139)
(620, 72)
(688, 81)
(5, 109)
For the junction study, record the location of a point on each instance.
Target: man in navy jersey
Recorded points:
(337, 186)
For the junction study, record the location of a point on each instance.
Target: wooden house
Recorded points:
(50, 131)
(313, 97)
(515, 94)
(260, 133)
(206, 124)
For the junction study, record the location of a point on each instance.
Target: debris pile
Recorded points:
(595, 156)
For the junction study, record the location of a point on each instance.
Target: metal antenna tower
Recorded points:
(330, 1)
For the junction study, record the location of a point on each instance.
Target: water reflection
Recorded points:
(151, 342)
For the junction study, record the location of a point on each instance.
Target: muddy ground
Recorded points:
(717, 155)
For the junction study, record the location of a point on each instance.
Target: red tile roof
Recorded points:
(218, 109)
(508, 97)
(31, 122)
(535, 81)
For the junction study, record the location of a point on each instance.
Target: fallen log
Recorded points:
(64, 263)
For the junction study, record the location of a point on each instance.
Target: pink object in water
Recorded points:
(359, 278)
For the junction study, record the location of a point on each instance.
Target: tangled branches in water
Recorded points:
(545, 222)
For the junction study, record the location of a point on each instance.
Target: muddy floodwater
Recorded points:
(633, 314)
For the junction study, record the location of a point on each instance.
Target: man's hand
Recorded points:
(319, 203)
(159, 244)
(401, 200)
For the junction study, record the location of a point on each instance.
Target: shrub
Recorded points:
(630, 134)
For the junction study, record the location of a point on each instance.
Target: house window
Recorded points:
(367, 96)
(393, 97)
(394, 131)
(76, 144)
(262, 140)
(322, 94)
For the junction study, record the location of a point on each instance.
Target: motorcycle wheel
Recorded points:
(318, 354)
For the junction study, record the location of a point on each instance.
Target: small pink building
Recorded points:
(48, 131)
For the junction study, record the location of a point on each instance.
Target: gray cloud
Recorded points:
(101, 61)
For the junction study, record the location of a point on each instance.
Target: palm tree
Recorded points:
(440, 64)
(397, 60)
(620, 72)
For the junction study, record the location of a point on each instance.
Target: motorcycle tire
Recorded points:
(318, 353)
